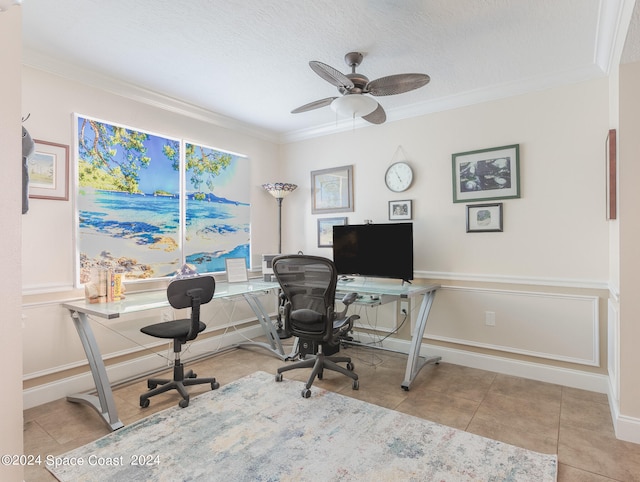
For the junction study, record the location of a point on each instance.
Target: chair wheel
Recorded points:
(215, 386)
(356, 384)
(320, 375)
(144, 402)
(184, 403)
(306, 393)
(151, 385)
(278, 377)
(350, 366)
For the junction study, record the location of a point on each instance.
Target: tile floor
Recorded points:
(575, 424)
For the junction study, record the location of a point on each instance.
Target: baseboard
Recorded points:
(534, 371)
(136, 368)
(626, 428)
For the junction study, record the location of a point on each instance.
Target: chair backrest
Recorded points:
(191, 293)
(309, 285)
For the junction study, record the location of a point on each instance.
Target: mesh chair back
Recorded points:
(309, 284)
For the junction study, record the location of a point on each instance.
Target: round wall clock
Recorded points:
(399, 176)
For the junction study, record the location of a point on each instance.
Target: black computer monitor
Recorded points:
(376, 250)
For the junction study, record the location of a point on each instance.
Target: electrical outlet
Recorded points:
(404, 306)
(490, 318)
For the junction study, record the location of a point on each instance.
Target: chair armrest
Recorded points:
(349, 298)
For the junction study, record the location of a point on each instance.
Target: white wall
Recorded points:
(10, 223)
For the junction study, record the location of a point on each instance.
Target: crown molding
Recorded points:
(38, 61)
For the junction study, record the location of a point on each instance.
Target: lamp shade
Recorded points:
(354, 105)
(279, 189)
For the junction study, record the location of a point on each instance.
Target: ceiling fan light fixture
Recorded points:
(354, 105)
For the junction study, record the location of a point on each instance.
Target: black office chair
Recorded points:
(309, 287)
(181, 293)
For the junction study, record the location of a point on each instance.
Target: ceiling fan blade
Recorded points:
(331, 75)
(397, 84)
(313, 105)
(378, 116)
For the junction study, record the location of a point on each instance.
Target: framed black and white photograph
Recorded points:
(484, 218)
(325, 230)
(486, 174)
(399, 210)
(332, 190)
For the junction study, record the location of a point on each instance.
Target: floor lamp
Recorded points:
(280, 190)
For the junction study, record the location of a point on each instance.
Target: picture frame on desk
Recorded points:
(486, 174)
(325, 230)
(332, 190)
(49, 171)
(400, 210)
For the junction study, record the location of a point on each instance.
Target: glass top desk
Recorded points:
(103, 403)
(388, 292)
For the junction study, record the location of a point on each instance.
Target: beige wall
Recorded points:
(556, 231)
(52, 349)
(545, 276)
(47, 264)
(629, 146)
(10, 222)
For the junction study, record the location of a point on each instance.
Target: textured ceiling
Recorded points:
(248, 59)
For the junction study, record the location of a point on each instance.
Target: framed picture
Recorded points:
(400, 210)
(325, 230)
(236, 270)
(611, 174)
(332, 190)
(49, 171)
(484, 218)
(486, 174)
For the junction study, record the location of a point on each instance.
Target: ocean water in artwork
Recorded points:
(130, 211)
(141, 233)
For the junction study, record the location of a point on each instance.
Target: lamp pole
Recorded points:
(279, 199)
(279, 190)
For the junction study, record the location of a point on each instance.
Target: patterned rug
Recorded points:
(255, 429)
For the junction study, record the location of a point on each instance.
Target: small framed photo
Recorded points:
(484, 218)
(487, 174)
(236, 270)
(48, 169)
(325, 230)
(332, 190)
(400, 210)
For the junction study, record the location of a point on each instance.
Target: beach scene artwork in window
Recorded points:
(147, 204)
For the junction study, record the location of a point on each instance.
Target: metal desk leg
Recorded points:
(103, 403)
(275, 345)
(415, 361)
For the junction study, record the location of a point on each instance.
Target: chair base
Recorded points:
(319, 363)
(180, 382)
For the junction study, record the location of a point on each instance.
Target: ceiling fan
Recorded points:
(354, 86)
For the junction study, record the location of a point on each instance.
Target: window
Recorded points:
(147, 204)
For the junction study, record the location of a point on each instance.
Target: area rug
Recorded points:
(255, 429)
